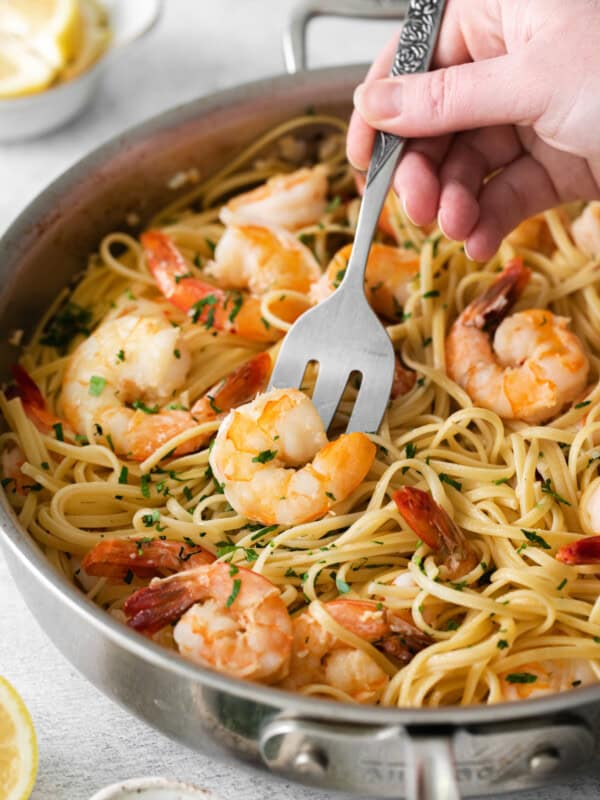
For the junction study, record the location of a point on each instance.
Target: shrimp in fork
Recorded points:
(111, 369)
(219, 309)
(228, 618)
(145, 558)
(258, 452)
(586, 230)
(261, 258)
(546, 677)
(535, 365)
(387, 279)
(319, 656)
(432, 524)
(288, 201)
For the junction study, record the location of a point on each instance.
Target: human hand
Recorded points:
(514, 92)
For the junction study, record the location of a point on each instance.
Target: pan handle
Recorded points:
(294, 37)
(430, 768)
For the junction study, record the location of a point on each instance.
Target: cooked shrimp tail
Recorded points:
(115, 558)
(582, 551)
(432, 524)
(488, 310)
(405, 639)
(230, 618)
(33, 401)
(228, 311)
(240, 386)
(404, 379)
(150, 609)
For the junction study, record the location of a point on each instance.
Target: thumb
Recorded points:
(462, 97)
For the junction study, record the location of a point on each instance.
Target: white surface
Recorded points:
(85, 740)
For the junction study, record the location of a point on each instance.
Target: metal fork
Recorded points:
(343, 334)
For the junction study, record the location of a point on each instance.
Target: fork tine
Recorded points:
(329, 388)
(370, 405)
(287, 373)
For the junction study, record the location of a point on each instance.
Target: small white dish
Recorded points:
(153, 789)
(35, 114)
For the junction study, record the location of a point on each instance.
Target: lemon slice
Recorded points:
(18, 746)
(22, 71)
(94, 39)
(51, 27)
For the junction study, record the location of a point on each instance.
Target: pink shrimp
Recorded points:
(228, 618)
(432, 524)
(234, 312)
(33, 401)
(145, 558)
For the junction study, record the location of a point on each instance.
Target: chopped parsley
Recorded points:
(561, 585)
(547, 489)
(342, 586)
(331, 496)
(427, 341)
(58, 431)
(196, 310)
(264, 456)
(211, 246)
(213, 405)
(501, 644)
(145, 485)
(234, 592)
(70, 320)
(177, 353)
(82, 440)
(121, 355)
(238, 302)
(124, 475)
(263, 532)
(432, 293)
(266, 323)
(500, 481)
(533, 537)
(187, 493)
(183, 275)
(583, 404)
(450, 481)
(97, 384)
(452, 625)
(408, 245)
(128, 577)
(151, 519)
(339, 277)
(333, 204)
(139, 405)
(521, 677)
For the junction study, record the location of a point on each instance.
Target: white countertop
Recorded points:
(85, 740)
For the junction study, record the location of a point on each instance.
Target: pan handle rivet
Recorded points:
(311, 761)
(544, 762)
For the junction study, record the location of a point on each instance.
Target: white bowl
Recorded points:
(35, 114)
(153, 789)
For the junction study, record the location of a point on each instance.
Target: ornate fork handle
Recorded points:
(414, 54)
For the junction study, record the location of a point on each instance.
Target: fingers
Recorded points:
(416, 181)
(522, 189)
(360, 133)
(472, 157)
(463, 97)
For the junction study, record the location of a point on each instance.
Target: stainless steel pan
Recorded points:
(426, 753)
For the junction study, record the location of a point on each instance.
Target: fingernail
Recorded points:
(441, 224)
(379, 99)
(468, 255)
(406, 211)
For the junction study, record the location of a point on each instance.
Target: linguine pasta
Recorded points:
(517, 490)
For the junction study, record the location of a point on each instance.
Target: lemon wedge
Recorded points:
(50, 27)
(22, 71)
(94, 39)
(18, 746)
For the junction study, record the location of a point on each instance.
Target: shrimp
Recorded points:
(432, 524)
(404, 379)
(387, 278)
(533, 234)
(586, 230)
(111, 368)
(260, 446)
(318, 656)
(289, 201)
(220, 309)
(32, 399)
(228, 618)
(262, 258)
(145, 558)
(546, 677)
(535, 366)
(14, 479)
